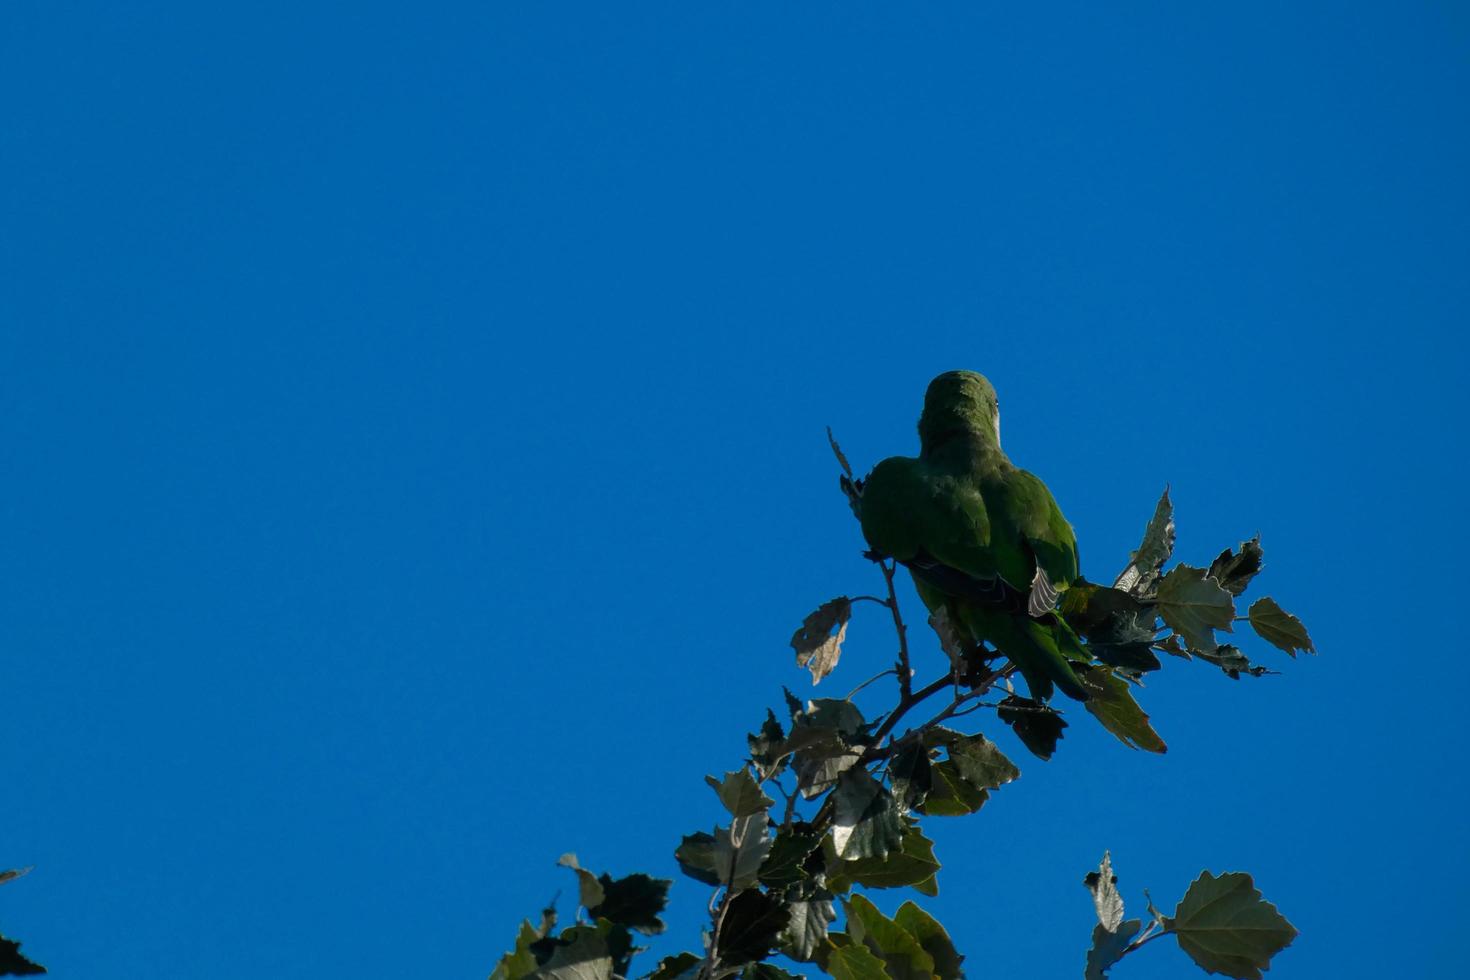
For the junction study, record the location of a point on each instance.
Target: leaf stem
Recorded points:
(870, 680)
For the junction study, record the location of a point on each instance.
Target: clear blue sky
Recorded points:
(411, 422)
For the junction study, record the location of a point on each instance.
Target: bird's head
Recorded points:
(959, 402)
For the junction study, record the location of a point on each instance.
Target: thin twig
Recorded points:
(905, 672)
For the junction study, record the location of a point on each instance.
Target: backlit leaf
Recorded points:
(817, 647)
(1279, 627)
(1112, 704)
(1158, 544)
(1194, 605)
(1227, 927)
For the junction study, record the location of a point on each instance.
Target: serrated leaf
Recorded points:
(740, 793)
(750, 926)
(696, 857)
(951, 795)
(741, 849)
(1108, 948)
(853, 961)
(1234, 570)
(865, 819)
(586, 957)
(520, 962)
(589, 889)
(1227, 927)
(977, 759)
(811, 915)
(1279, 627)
(680, 966)
(933, 937)
(633, 901)
(902, 955)
(1157, 545)
(817, 648)
(1112, 704)
(912, 863)
(789, 851)
(1194, 605)
(1038, 726)
(910, 775)
(1103, 886)
(767, 749)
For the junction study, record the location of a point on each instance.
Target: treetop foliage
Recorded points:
(831, 803)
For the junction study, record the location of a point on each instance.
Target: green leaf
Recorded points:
(680, 966)
(912, 863)
(1125, 641)
(865, 818)
(750, 926)
(902, 955)
(740, 793)
(1158, 544)
(951, 795)
(1226, 927)
(696, 857)
(910, 775)
(820, 765)
(811, 915)
(634, 901)
(817, 648)
(586, 957)
(1112, 704)
(835, 713)
(1108, 948)
(520, 962)
(1234, 571)
(976, 758)
(789, 851)
(741, 849)
(588, 887)
(853, 961)
(1103, 885)
(933, 937)
(767, 750)
(1194, 606)
(1038, 726)
(1279, 627)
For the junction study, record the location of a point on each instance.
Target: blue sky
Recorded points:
(412, 460)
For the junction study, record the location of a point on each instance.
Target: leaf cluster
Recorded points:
(830, 803)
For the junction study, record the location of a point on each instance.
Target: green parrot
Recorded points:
(982, 538)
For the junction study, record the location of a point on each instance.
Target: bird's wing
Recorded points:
(1035, 547)
(932, 522)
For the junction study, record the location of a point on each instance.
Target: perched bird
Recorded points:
(982, 538)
